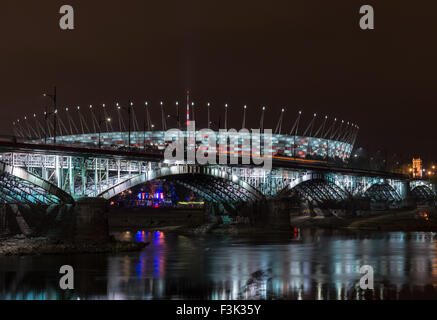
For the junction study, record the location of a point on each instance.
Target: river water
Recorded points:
(307, 264)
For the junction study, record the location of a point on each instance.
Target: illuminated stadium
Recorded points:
(106, 128)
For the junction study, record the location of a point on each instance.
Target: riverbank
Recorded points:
(421, 219)
(416, 220)
(20, 245)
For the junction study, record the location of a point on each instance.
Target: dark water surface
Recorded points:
(311, 264)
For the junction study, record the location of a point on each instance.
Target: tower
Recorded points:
(417, 168)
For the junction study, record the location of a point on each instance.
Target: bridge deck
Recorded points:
(137, 155)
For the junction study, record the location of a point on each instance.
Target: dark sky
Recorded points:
(306, 54)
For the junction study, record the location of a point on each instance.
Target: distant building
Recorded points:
(417, 168)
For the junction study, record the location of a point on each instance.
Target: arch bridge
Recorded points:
(62, 176)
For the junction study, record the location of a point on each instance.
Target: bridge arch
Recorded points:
(320, 191)
(19, 185)
(382, 192)
(423, 193)
(212, 183)
(313, 186)
(304, 178)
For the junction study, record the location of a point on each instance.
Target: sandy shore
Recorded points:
(20, 245)
(423, 219)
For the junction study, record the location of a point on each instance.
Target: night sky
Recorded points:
(303, 55)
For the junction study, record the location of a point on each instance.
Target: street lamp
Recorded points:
(209, 119)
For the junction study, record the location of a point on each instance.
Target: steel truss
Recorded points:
(423, 193)
(320, 191)
(90, 176)
(382, 192)
(217, 188)
(15, 190)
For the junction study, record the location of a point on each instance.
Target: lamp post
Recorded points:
(146, 119)
(261, 122)
(163, 120)
(106, 115)
(310, 138)
(107, 120)
(177, 115)
(296, 133)
(226, 116)
(129, 110)
(209, 115)
(47, 114)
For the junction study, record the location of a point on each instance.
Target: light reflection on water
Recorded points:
(312, 264)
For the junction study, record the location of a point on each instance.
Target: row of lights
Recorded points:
(177, 104)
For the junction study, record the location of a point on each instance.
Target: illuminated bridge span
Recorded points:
(92, 153)
(49, 174)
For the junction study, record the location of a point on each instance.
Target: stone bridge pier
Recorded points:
(276, 214)
(408, 200)
(91, 220)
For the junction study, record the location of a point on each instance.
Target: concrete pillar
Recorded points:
(275, 214)
(23, 225)
(211, 211)
(4, 229)
(405, 189)
(407, 199)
